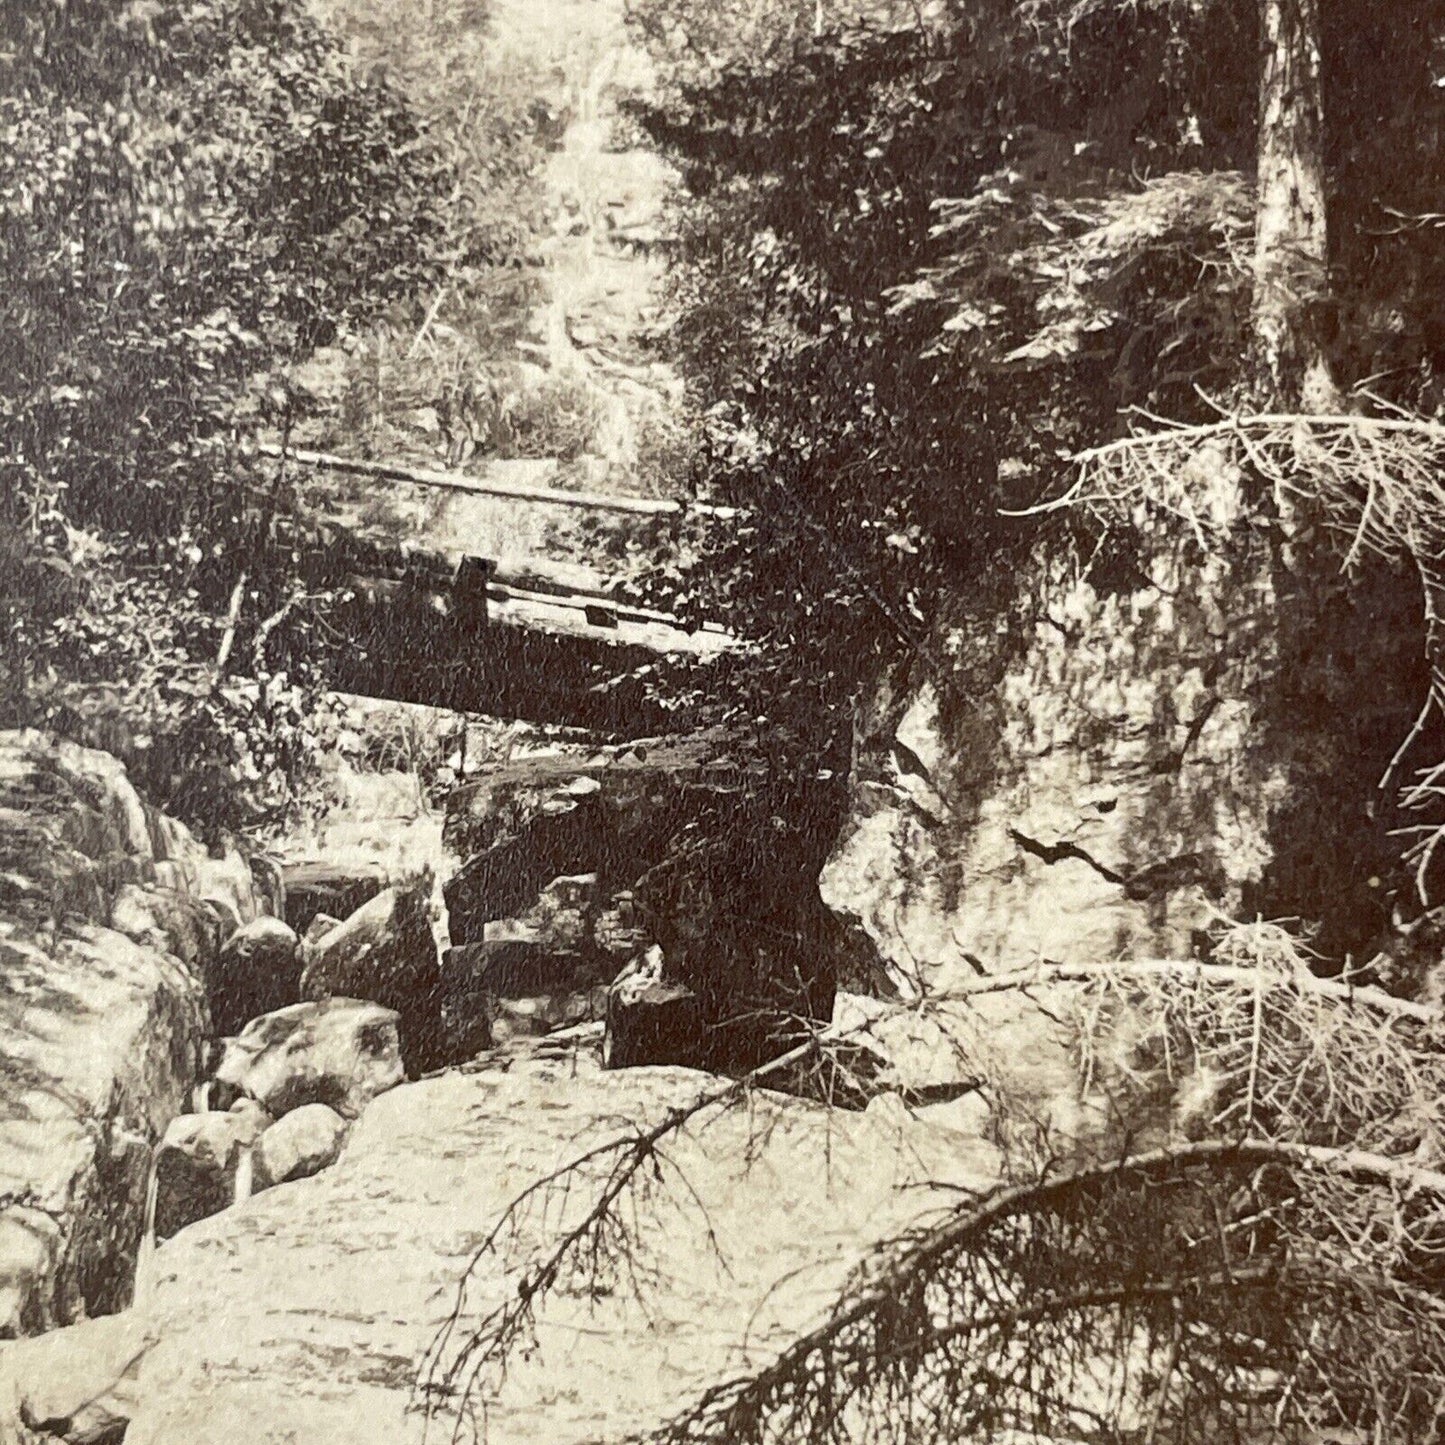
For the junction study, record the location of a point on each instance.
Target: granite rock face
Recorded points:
(340, 1052)
(301, 1314)
(1201, 738)
(386, 953)
(109, 916)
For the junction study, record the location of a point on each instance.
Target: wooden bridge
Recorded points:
(428, 620)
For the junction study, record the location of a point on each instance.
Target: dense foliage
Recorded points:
(192, 197)
(927, 256)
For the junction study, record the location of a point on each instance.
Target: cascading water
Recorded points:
(201, 1097)
(145, 1255)
(245, 1178)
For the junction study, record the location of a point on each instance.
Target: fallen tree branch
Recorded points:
(489, 1342)
(489, 487)
(735, 1410)
(1046, 974)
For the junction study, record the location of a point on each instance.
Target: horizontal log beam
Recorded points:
(517, 491)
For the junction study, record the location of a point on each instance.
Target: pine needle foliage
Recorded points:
(1267, 1269)
(1247, 1246)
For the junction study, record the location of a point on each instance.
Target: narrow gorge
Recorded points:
(720, 723)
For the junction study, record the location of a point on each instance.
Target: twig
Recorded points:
(1060, 973)
(228, 637)
(923, 1257)
(427, 321)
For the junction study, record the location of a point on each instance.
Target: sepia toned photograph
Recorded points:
(722, 722)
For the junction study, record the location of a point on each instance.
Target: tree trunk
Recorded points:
(1291, 244)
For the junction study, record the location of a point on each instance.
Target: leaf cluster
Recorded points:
(925, 258)
(192, 197)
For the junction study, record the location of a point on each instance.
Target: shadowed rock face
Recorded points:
(1206, 739)
(105, 909)
(688, 845)
(301, 1314)
(258, 969)
(196, 1163)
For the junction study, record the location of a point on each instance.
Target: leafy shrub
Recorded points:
(192, 196)
(556, 419)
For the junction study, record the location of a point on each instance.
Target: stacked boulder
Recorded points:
(258, 969)
(670, 888)
(299, 1077)
(312, 1029)
(386, 953)
(110, 915)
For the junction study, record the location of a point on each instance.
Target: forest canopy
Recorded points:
(928, 257)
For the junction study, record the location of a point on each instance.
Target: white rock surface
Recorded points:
(84, 1375)
(302, 1314)
(305, 1142)
(1122, 794)
(101, 1021)
(341, 1052)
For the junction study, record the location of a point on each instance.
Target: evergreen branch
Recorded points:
(451, 1369)
(841, 1356)
(1185, 970)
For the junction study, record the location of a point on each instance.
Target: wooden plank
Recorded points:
(517, 491)
(565, 617)
(621, 611)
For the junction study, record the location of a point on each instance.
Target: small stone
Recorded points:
(319, 927)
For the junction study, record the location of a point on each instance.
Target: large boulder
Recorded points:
(306, 1141)
(76, 1385)
(257, 971)
(303, 1315)
(103, 904)
(386, 953)
(340, 1052)
(199, 1163)
(1194, 738)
